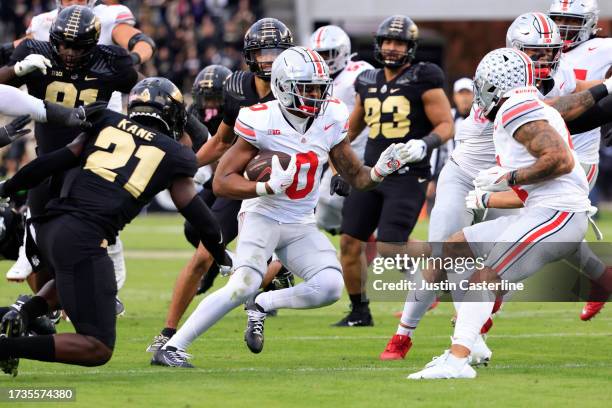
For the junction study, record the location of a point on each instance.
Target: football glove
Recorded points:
(339, 186)
(477, 199)
(493, 179)
(31, 63)
(14, 130)
(281, 179)
(393, 158)
(416, 150)
(203, 174)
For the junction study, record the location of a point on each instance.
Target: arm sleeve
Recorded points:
(593, 118)
(197, 131)
(518, 114)
(39, 169)
(14, 102)
(185, 164)
(231, 109)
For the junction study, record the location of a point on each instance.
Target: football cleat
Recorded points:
(439, 368)
(20, 270)
(228, 268)
(480, 353)
(13, 324)
(158, 342)
(119, 307)
(591, 309)
(254, 333)
(41, 326)
(283, 279)
(171, 357)
(397, 348)
(357, 317)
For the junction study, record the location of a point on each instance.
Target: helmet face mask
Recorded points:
(334, 46)
(577, 20)
(73, 36)
(263, 42)
(393, 31)
(301, 82)
(207, 90)
(156, 102)
(546, 60)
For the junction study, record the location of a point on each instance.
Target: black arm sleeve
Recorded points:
(204, 222)
(599, 114)
(5, 52)
(197, 131)
(33, 173)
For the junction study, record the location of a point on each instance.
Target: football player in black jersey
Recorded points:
(117, 167)
(263, 42)
(404, 102)
(75, 71)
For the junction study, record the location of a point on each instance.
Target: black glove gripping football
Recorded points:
(339, 186)
(14, 130)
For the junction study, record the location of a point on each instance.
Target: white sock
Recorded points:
(470, 318)
(243, 283)
(417, 303)
(322, 289)
(115, 252)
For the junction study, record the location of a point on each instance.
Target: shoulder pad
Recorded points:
(39, 47)
(256, 116)
(236, 83)
(368, 77)
(110, 58)
(337, 110)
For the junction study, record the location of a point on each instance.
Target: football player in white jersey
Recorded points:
(117, 28)
(537, 36)
(591, 59)
(278, 215)
(334, 46)
(535, 159)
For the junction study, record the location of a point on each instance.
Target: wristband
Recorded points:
(485, 199)
(599, 92)
(432, 141)
(512, 177)
(377, 178)
(260, 189)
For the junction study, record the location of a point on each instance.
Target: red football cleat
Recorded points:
(397, 348)
(590, 310)
(434, 304)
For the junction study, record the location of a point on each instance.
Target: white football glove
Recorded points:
(416, 150)
(392, 159)
(493, 179)
(280, 179)
(203, 174)
(477, 199)
(31, 63)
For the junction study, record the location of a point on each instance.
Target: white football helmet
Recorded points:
(334, 45)
(586, 12)
(537, 36)
(89, 3)
(500, 71)
(298, 74)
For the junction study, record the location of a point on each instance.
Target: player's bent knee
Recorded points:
(456, 246)
(98, 353)
(349, 245)
(243, 283)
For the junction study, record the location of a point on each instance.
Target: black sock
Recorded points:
(359, 300)
(35, 307)
(168, 331)
(40, 348)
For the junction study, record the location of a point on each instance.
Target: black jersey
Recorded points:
(211, 118)
(111, 69)
(239, 91)
(394, 110)
(123, 166)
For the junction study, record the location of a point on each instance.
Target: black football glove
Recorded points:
(69, 117)
(14, 130)
(339, 186)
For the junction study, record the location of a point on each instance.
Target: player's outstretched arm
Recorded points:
(573, 106)
(39, 169)
(140, 45)
(193, 208)
(553, 155)
(214, 148)
(229, 181)
(346, 162)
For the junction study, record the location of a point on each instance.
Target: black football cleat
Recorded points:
(171, 357)
(158, 342)
(13, 325)
(254, 333)
(358, 317)
(119, 307)
(283, 279)
(41, 326)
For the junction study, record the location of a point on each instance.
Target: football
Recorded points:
(260, 166)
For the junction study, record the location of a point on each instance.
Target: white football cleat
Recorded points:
(439, 368)
(21, 269)
(480, 353)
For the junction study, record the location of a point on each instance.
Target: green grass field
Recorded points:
(543, 354)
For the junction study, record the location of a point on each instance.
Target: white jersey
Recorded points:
(344, 89)
(590, 60)
(264, 126)
(110, 17)
(568, 192)
(474, 148)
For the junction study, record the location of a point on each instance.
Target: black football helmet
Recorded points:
(268, 37)
(156, 102)
(401, 28)
(207, 90)
(74, 35)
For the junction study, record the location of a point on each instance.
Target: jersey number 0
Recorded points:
(104, 162)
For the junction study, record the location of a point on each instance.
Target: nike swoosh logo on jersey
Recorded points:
(562, 85)
(327, 126)
(393, 90)
(90, 78)
(421, 179)
(592, 48)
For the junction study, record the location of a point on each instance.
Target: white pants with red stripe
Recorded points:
(591, 171)
(513, 245)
